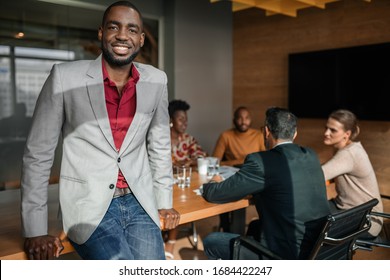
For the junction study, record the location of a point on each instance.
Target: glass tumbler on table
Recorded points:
(202, 165)
(183, 174)
(213, 167)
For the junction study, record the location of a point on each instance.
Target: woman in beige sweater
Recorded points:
(350, 167)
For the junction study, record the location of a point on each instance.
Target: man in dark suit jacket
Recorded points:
(288, 187)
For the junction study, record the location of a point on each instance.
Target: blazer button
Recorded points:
(119, 159)
(112, 186)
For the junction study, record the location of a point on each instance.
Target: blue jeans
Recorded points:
(125, 233)
(219, 245)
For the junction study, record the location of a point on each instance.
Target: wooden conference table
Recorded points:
(191, 206)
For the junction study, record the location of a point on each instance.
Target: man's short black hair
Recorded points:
(281, 123)
(237, 111)
(121, 3)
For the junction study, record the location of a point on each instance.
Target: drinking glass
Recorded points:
(202, 166)
(183, 175)
(213, 167)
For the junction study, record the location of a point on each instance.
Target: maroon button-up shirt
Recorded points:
(121, 111)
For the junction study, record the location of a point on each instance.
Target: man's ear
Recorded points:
(100, 33)
(295, 134)
(266, 131)
(142, 39)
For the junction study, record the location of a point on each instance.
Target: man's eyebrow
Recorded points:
(134, 25)
(128, 25)
(112, 22)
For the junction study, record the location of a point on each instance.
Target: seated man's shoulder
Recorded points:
(307, 149)
(255, 131)
(228, 132)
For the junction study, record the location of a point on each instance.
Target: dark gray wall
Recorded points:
(202, 65)
(197, 52)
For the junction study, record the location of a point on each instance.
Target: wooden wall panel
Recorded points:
(260, 78)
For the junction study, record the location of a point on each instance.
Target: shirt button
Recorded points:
(119, 159)
(112, 186)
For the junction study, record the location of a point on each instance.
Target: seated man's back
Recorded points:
(292, 199)
(288, 187)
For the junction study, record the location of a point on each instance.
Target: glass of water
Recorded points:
(213, 167)
(183, 175)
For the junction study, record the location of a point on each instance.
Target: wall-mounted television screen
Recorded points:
(354, 78)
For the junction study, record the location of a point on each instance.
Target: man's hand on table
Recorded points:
(216, 179)
(45, 247)
(169, 218)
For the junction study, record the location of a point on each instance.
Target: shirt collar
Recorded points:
(134, 74)
(282, 143)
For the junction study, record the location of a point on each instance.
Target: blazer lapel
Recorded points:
(131, 132)
(141, 92)
(97, 98)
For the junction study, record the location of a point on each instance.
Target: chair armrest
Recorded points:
(380, 214)
(385, 196)
(382, 240)
(242, 243)
(335, 241)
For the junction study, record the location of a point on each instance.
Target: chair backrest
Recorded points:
(338, 236)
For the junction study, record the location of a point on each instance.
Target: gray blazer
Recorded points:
(72, 104)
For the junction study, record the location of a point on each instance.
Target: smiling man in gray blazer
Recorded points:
(116, 171)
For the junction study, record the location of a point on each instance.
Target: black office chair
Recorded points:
(335, 242)
(383, 239)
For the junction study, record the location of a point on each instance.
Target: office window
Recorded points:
(6, 103)
(4, 50)
(32, 66)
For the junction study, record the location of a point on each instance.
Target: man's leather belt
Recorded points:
(121, 192)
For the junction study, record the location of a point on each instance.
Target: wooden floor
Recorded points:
(184, 249)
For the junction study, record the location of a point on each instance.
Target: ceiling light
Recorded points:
(77, 4)
(19, 35)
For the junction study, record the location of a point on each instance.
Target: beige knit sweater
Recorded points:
(355, 180)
